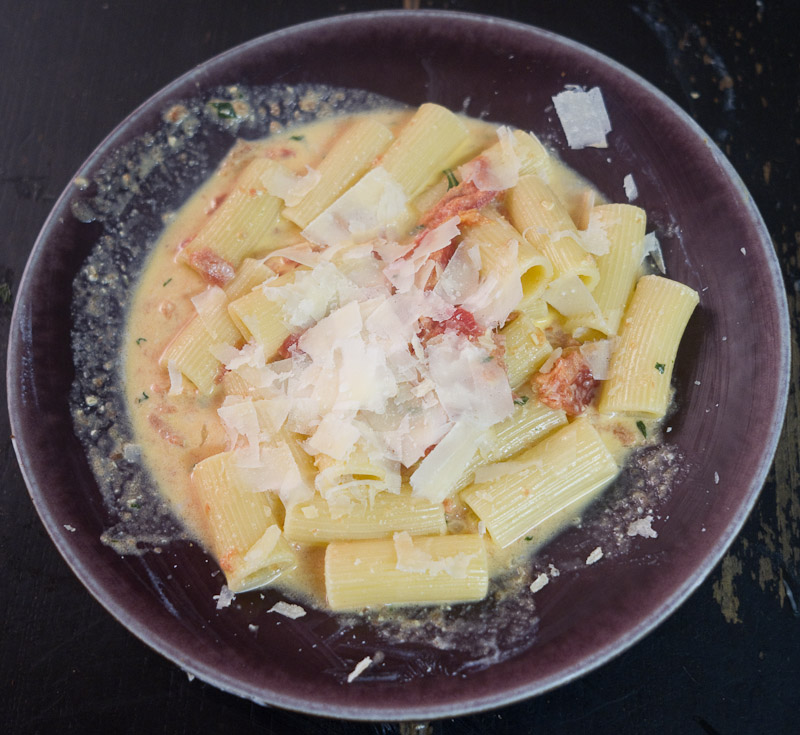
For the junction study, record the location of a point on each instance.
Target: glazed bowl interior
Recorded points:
(713, 240)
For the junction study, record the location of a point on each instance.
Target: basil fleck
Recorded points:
(5, 293)
(297, 137)
(451, 178)
(521, 401)
(143, 397)
(140, 340)
(660, 366)
(224, 110)
(640, 425)
(166, 282)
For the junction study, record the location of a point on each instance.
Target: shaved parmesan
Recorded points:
(497, 168)
(631, 191)
(598, 356)
(471, 385)
(595, 556)
(584, 117)
(643, 527)
(224, 598)
(175, 378)
(374, 206)
(594, 239)
(288, 610)
(569, 296)
(438, 474)
(209, 300)
(281, 182)
(653, 248)
(334, 436)
(359, 669)
(547, 365)
(539, 582)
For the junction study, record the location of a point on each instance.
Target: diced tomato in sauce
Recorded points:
(569, 386)
(461, 322)
(215, 270)
(164, 431)
(462, 198)
(287, 348)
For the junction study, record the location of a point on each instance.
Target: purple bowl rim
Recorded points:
(159, 641)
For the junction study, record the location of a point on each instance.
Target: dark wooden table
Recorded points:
(728, 661)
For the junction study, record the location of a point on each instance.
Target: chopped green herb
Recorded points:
(297, 137)
(134, 504)
(488, 358)
(224, 110)
(140, 340)
(5, 293)
(451, 178)
(640, 425)
(660, 367)
(529, 538)
(143, 397)
(521, 401)
(166, 282)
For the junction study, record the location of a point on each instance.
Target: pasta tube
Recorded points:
(405, 571)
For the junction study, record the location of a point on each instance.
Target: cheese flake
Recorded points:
(363, 664)
(287, 609)
(583, 117)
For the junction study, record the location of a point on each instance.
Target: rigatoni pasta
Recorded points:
(401, 353)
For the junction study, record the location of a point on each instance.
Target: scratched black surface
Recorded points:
(728, 661)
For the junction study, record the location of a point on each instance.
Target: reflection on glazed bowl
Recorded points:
(724, 431)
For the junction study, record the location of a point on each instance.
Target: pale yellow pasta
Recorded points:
(427, 144)
(526, 349)
(243, 529)
(405, 571)
(537, 213)
(260, 318)
(359, 477)
(623, 225)
(641, 368)
(350, 156)
(533, 156)
(404, 437)
(313, 523)
(556, 477)
(493, 236)
(244, 224)
(190, 352)
(531, 422)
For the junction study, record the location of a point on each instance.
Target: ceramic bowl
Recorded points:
(731, 381)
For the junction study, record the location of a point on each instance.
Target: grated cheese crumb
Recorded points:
(252, 628)
(631, 190)
(595, 556)
(69, 528)
(287, 609)
(743, 250)
(539, 582)
(554, 571)
(360, 666)
(716, 478)
(225, 597)
(642, 527)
